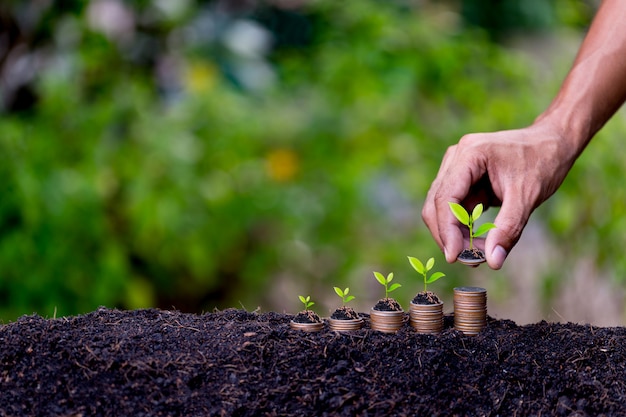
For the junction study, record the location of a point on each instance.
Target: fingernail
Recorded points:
(445, 253)
(498, 255)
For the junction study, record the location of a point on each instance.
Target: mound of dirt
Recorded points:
(238, 363)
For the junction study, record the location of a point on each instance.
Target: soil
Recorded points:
(307, 316)
(471, 257)
(426, 297)
(474, 255)
(239, 363)
(387, 304)
(345, 313)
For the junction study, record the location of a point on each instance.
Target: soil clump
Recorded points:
(387, 304)
(345, 313)
(426, 297)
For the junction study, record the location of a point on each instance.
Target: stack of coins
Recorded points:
(386, 321)
(339, 325)
(470, 309)
(426, 318)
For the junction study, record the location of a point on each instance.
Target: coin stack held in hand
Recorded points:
(470, 309)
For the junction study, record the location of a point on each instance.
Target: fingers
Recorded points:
(517, 169)
(436, 216)
(458, 172)
(481, 192)
(480, 169)
(429, 211)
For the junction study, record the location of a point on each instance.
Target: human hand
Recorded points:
(515, 169)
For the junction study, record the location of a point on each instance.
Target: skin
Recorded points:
(520, 169)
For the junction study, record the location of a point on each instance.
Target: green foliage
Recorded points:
(343, 294)
(586, 216)
(306, 301)
(469, 219)
(423, 269)
(154, 170)
(507, 17)
(385, 281)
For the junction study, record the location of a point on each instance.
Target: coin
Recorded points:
(470, 309)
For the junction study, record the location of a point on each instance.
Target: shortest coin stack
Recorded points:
(470, 309)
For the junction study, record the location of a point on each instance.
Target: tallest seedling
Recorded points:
(468, 220)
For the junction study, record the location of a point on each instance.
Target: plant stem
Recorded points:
(471, 233)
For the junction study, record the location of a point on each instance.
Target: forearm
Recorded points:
(595, 88)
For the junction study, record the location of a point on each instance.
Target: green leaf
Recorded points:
(460, 213)
(416, 264)
(304, 300)
(484, 228)
(389, 277)
(310, 304)
(380, 278)
(434, 277)
(394, 287)
(346, 291)
(429, 264)
(338, 291)
(349, 298)
(477, 212)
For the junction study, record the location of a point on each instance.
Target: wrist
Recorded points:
(560, 142)
(569, 127)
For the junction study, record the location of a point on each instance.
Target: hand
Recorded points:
(514, 169)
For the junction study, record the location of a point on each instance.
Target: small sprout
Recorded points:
(468, 220)
(306, 301)
(344, 295)
(385, 282)
(419, 267)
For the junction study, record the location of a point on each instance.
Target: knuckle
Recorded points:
(427, 213)
(468, 139)
(440, 201)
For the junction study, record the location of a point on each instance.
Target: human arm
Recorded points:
(520, 169)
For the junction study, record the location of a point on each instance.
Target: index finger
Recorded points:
(460, 170)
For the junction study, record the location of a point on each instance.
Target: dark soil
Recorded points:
(238, 363)
(345, 313)
(426, 297)
(307, 316)
(387, 304)
(471, 256)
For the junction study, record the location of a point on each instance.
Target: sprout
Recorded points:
(385, 282)
(345, 298)
(419, 267)
(306, 301)
(468, 220)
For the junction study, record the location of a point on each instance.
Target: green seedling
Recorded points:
(306, 301)
(468, 220)
(385, 282)
(345, 298)
(424, 269)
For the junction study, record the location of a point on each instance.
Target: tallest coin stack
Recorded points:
(470, 309)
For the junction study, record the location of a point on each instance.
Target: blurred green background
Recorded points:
(211, 154)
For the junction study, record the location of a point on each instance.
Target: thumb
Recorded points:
(510, 223)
